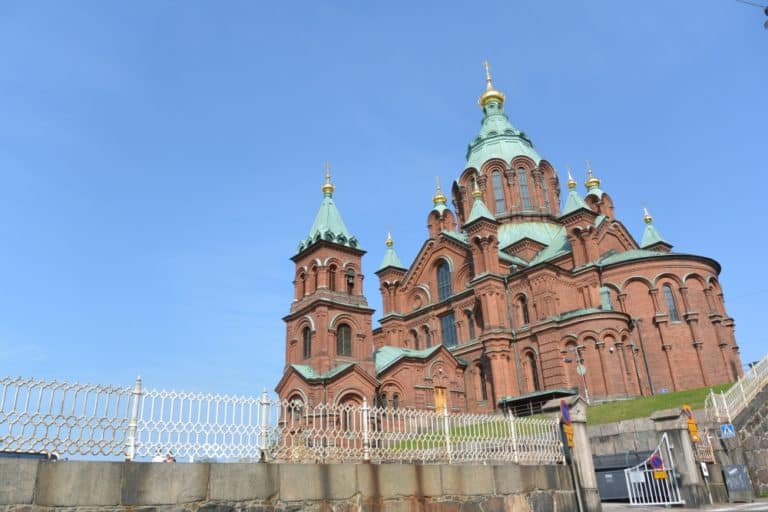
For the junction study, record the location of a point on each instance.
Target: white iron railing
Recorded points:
(726, 405)
(135, 423)
(52, 416)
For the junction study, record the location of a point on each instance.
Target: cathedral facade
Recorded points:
(511, 300)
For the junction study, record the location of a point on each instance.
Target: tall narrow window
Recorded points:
(303, 284)
(483, 382)
(545, 191)
(471, 325)
(427, 337)
(525, 196)
(533, 371)
(332, 278)
(498, 192)
(344, 340)
(524, 316)
(415, 339)
(396, 401)
(444, 280)
(350, 281)
(671, 306)
(315, 279)
(448, 328)
(306, 336)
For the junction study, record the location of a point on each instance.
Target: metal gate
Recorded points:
(654, 481)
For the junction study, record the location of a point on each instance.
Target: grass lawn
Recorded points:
(643, 407)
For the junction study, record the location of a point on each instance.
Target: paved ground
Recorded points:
(758, 505)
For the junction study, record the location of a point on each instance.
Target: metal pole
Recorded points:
(264, 422)
(130, 444)
(366, 434)
(447, 432)
(645, 357)
(581, 361)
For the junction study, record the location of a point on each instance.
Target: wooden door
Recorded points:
(440, 399)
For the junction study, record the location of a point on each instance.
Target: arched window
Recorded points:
(303, 284)
(522, 303)
(427, 337)
(344, 340)
(545, 191)
(306, 336)
(383, 400)
(483, 382)
(671, 306)
(498, 192)
(350, 281)
(332, 278)
(448, 328)
(533, 371)
(415, 339)
(525, 196)
(316, 278)
(296, 406)
(471, 325)
(444, 289)
(395, 401)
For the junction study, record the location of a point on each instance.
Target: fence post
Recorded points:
(447, 432)
(513, 435)
(264, 422)
(725, 404)
(133, 423)
(713, 397)
(366, 434)
(741, 388)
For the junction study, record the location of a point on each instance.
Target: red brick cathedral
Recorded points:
(512, 300)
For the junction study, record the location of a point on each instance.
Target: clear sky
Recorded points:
(159, 161)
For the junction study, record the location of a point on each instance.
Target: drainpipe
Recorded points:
(637, 321)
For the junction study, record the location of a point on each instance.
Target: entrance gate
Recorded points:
(654, 481)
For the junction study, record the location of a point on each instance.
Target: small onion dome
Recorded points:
(571, 182)
(476, 193)
(490, 93)
(647, 216)
(591, 182)
(389, 242)
(328, 186)
(439, 198)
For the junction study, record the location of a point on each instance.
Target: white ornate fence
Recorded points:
(92, 420)
(728, 404)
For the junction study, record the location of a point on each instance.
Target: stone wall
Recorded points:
(36, 486)
(751, 447)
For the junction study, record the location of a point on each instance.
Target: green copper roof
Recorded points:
(632, 254)
(328, 226)
(391, 259)
(479, 210)
(386, 356)
(595, 191)
(651, 236)
(308, 373)
(574, 202)
(498, 139)
(551, 235)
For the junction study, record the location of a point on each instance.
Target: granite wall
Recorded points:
(73, 486)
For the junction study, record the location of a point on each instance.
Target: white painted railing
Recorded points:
(136, 423)
(725, 406)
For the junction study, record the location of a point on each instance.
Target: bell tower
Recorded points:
(329, 323)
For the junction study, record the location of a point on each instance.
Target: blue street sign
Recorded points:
(727, 430)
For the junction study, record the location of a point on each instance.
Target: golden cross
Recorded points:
(487, 74)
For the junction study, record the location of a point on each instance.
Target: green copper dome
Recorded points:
(328, 225)
(498, 139)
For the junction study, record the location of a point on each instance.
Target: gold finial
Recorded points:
(571, 181)
(439, 197)
(591, 182)
(476, 193)
(389, 241)
(328, 186)
(490, 93)
(647, 216)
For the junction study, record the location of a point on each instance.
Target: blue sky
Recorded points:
(159, 161)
